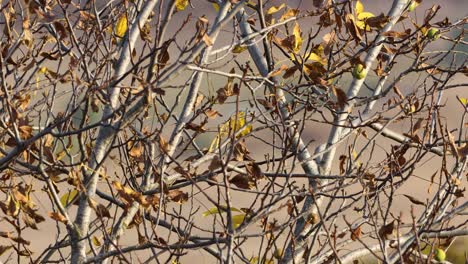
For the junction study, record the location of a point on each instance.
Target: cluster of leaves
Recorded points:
(105, 133)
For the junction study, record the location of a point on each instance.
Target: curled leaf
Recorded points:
(297, 38)
(275, 9)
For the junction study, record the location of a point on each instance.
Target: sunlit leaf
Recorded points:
(290, 13)
(361, 23)
(297, 38)
(58, 217)
(312, 57)
(275, 9)
(355, 155)
(233, 126)
(121, 26)
(136, 150)
(43, 70)
(359, 7)
(361, 16)
(365, 15)
(464, 101)
(182, 4)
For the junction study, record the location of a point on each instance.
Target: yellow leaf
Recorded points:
(68, 197)
(362, 16)
(4, 249)
(254, 260)
(358, 163)
(218, 210)
(61, 155)
(464, 101)
(365, 15)
(231, 125)
(290, 13)
(312, 57)
(121, 26)
(238, 49)
(96, 241)
(43, 70)
(359, 7)
(297, 38)
(275, 9)
(216, 7)
(181, 4)
(237, 220)
(13, 206)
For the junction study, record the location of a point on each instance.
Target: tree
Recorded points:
(111, 122)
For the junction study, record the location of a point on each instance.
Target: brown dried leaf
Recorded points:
(378, 21)
(212, 114)
(340, 96)
(163, 145)
(290, 71)
(278, 71)
(242, 181)
(136, 150)
(388, 231)
(58, 217)
(214, 164)
(414, 200)
(177, 196)
(356, 233)
(195, 127)
(398, 92)
(342, 159)
(254, 171)
(453, 145)
(102, 212)
(350, 24)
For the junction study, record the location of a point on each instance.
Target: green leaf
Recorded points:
(218, 210)
(68, 197)
(237, 220)
(238, 49)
